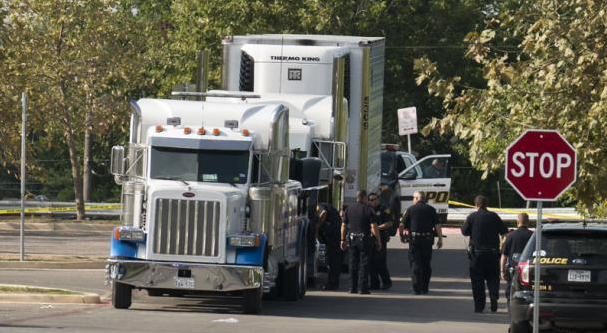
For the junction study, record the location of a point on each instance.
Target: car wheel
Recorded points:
(520, 327)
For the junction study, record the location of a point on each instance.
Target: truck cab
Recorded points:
(402, 172)
(208, 205)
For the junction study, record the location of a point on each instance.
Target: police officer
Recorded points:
(419, 224)
(329, 234)
(484, 228)
(359, 223)
(390, 199)
(512, 249)
(378, 268)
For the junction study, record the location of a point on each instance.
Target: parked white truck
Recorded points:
(297, 70)
(216, 193)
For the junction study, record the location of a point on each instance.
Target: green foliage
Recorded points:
(74, 59)
(544, 66)
(114, 49)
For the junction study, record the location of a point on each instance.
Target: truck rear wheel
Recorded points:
(303, 271)
(290, 283)
(121, 295)
(251, 300)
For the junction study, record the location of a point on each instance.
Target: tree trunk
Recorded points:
(76, 175)
(86, 168)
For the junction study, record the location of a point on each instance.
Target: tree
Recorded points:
(76, 59)
(544, 64)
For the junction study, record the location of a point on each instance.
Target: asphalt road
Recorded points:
(448, 307)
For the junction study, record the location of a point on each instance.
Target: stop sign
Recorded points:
(541, 165)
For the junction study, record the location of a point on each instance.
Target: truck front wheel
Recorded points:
(121, 295)
(251, 300)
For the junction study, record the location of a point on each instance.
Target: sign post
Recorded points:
(22, 215)
(407, 123)
(540, 166)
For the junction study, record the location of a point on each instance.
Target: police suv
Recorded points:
(573, 280)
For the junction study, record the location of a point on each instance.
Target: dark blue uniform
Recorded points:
(484, 228)
(358, 218)
(421, 220)
(513, 247)
(329, 234)
(378, 268)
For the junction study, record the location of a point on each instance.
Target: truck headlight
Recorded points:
(129, 234)
(244, 240)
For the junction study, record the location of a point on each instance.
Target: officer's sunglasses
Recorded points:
(374, 199)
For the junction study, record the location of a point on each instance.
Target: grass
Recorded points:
(8, 289)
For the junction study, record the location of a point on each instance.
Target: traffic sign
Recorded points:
(541, 165)
(407, 120)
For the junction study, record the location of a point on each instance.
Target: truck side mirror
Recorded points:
(117, 166)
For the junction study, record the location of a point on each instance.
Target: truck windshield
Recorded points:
(213, 166)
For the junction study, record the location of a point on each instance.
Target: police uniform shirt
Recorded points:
(382, 215)
(420, 217)
(389, 198)
(359, 217)
(516, 241)
(484, 228)
(330, 229)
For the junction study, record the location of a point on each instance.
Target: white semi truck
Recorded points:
(297, 70)
(217, 192)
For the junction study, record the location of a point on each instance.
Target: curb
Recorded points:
(86, 298)
(54, 264)
(24, 294)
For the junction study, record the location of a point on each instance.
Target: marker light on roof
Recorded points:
(187, 130)
(201, 131)
(216, 131)
(245, 132)
(159, 128)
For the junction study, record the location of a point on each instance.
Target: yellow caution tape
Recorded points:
(58, 209)
(517, 211)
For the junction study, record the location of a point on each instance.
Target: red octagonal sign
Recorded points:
(541, 165)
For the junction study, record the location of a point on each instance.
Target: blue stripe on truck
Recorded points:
(120, 248)
(252, 255)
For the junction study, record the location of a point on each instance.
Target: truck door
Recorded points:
(431, 175)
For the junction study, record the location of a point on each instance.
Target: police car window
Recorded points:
(584, 244)
(401, 164)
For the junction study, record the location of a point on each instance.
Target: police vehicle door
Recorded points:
(431, 175)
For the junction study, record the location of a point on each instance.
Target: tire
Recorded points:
(311, 282)
(290, 284)
(251, 300)
(520, 327)
(303, 271)
(121, 295)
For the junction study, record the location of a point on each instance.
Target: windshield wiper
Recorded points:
(173, 178)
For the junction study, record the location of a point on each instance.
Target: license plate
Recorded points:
(578, 276)
(187, 283)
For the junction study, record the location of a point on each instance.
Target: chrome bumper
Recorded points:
(164, 275)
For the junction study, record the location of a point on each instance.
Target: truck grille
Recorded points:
(186, 227)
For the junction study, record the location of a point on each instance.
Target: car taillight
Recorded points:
(523, 272)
